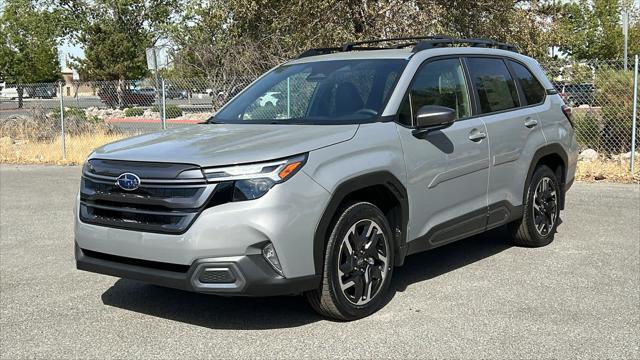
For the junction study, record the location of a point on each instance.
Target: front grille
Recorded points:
(152, 192)
(167, 203)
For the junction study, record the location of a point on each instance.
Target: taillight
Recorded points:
(566, 110)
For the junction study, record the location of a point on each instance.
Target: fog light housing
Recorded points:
(269, 253)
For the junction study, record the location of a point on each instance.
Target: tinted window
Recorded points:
(494, 85)
(440, 82)
(316, 92)
(533, 91)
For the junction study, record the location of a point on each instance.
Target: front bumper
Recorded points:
(248, 275)
(286, 216)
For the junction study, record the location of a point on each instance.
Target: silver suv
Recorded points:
(325, 173)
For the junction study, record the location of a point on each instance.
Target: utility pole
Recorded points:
(625, 31)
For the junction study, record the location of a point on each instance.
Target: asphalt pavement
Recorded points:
(478, 298)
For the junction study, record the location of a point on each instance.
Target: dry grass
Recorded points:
(607, 170)
(78, 148)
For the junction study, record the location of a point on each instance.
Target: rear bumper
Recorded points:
(247, 275)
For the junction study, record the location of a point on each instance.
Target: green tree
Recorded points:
(522, 23)
(247, 36)
(114, 35)
(28, 44)
(592, 29)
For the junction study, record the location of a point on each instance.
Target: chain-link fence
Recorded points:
(600, 94)
(95, 113)
(31, 121)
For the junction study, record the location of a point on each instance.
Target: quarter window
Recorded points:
(494, 86)
(440, 82)
(533, 91)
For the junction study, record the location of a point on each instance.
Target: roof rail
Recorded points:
(413, 40)
(419, 43)
(486, 43)
(318, 51)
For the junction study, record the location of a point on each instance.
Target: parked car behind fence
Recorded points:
(577, 94)
(127, 97)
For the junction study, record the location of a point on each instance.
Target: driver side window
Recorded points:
(440, 82)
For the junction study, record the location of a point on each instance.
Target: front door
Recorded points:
(447, 169)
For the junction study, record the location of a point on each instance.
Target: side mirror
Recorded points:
(434, 116)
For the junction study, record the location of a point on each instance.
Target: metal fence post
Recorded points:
(635, 115)
(64, 150)
(163, 114)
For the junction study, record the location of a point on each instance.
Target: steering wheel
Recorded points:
(367, 112)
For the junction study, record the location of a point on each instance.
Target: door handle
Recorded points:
(477, 135)
(530, 123)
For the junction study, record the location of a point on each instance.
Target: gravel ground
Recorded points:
(478, 298)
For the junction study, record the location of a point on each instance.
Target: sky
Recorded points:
(67, 49)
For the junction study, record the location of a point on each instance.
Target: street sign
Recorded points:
(157, 57)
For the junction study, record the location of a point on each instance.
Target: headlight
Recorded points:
(252, 181)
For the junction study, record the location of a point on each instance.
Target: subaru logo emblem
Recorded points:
(128, 181)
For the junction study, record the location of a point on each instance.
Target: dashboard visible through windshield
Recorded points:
(338, 91)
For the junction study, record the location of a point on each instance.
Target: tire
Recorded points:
(360, 272)
(541, 210)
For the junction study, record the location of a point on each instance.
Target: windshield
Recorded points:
(339, 91)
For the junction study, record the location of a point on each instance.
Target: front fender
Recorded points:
(373, 157)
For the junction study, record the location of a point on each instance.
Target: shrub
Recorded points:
(614, 92)
(41, 124)
(587, 125)
(95, 119)
(70, 113)
(173, 111)
(134, 111)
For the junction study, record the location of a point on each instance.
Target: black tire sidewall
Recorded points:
(541, 172)
(352, 214)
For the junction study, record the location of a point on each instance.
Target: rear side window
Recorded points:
(533, 91)
(494, 86)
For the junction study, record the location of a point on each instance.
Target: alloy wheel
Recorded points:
(545, 206)
(363, 262)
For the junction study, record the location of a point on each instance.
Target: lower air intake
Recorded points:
(216, 276)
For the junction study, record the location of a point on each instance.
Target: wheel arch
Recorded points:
(554, 156)
(382, 189)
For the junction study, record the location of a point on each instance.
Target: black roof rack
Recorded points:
(413, 40)
(486, 43)
(419, 43)
(318, 51)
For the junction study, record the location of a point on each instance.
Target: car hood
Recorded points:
(224, 144)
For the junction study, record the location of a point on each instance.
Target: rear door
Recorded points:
(447, 169)
(508, 95)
